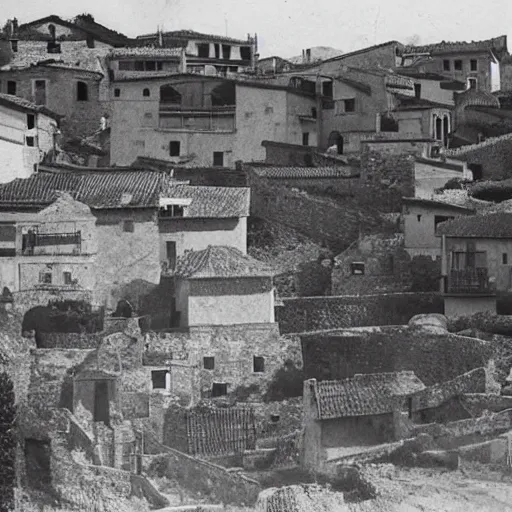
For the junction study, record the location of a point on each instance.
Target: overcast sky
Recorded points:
(285, 27)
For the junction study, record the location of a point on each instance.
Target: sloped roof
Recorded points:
(493, 225)
(413, 103)
(192, 34)
(211, 202)
(436, 204)
(498, 45)
(23, 105)
(305, 172)
(144, 51)
(99, 190)
(220, 261)
(364, 395)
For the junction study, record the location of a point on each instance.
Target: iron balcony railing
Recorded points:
(470, 280)
(45, 243)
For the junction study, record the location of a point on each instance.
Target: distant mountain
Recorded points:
(319, 53)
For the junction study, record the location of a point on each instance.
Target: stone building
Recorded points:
(27, 132)
(205, 121)
(476, 63)
(346, 415)
(222, 286)
(475, 262)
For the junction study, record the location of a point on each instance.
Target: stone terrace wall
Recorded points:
(321, 313)
(25, 300)
(70, 340)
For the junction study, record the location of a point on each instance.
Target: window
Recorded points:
(31, 121)
(45, 277)
(217, 50)
(349, 105)
(446, 65)
(313, 112)
(209, 363)
(474, 65)
(327, 89)
(14, 45)
(175, 147)
(147, 120)
(82, 94)
(139, 65)
(39, 91)
(172, 210)
(30, 141)
(146, 93)
(117, 93)
(472, 83)
(170, 248)
(245, 52)
(203, 50)
(417, 91)
(53, 47)
(169, 95)
(150, 65)
(218, 159)
(462, 260)
(441, 218)
(357, 269)
(258, 364)
(504, 258)
(418, 217)
(128, 226)
(477, 171)
(159, 378)
(226, 51)
(305, 139)
(90, 41)
(457, 65)
(11, 87)
(67, 278)
(125, 65)
(219, 389)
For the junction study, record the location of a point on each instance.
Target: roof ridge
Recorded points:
(483, 144)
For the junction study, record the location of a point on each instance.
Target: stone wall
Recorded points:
(321, 313)
(25, 300)
(433, 357)
(61, 340)
(477, 403)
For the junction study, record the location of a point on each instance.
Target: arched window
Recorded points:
(82, 94)
(223, 95)
(146, 93)
(169, 94)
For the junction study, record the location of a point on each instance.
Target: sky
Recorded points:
(285, 27)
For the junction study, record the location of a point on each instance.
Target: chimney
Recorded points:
(303, 56)
(183, 61)
(308, 55)
(160, 37)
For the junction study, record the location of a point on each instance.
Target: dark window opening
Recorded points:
(82, 93)
(45, 277)
(446, 65)
(90, 42)
(245, 52)
(336, 139)
(158, 378)
(146, 93)
(349, 105)
(11, 87)
(125, 65)
(418, 217)
(409, 407)
(417, 91)
(150, 65)
(224, 95)
(327, 89)
(472, 83)
(203, 50)
(305, 139)
(159, 65)
(474, 65)
(174, 148)
(128, 226)
(170, 249)
(219, 389)
(101, 403)
(217, 50)
(504, 258)
(139, 65)
(477, 171)
(38, 457)
(117, 93)
(357, 269)
(313, 112)
(457, 64)
(209, 363)
(31, 121)
(68, 278)
(226, 51)
(169, 94)
(172, 210)
(258, 364)
(53, 47)
(14, 45)
(40, 92)
(30, 141)
(218, 159)
(233, 69)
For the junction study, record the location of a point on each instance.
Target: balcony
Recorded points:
(469, 281)
(35, 244)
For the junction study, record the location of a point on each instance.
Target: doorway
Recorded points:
(101, 402)
(170, 248)
(336, 139)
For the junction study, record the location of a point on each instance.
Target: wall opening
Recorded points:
(159, 379)
(224, 95)
(336, 139)
(168, 94)
(258, 364)
(170, 249)
(11, 87)
(82, 92)
(218, 159)
(219, 389)
(146, 93)
(174, 148)
(40, 92)
(38, 463)
(101, 402)
(209, 363)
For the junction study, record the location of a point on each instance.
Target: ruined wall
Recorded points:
(25, 300)
(434, 358)
(63, 340)
(321, 313)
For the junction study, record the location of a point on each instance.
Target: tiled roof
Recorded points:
(492, 141)
(364, 395)
(305, 172)
(435, 204)
(145, 51)
(498, 45)
(24, 105)
(493, 225)
(412, 103)
(211, 202)
(220, 261)
(192, 34)
(99, 190)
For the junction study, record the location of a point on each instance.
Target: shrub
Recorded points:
(496, 191)
(426, 274)
(287, 382)
(7, 444)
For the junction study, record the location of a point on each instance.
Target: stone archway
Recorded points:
(336, 139)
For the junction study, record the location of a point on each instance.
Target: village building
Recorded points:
(476, 63)
(350, 414)
(475, 262)
(222, 286)
(207, 54)
(201, 121)
(27, 133)
(420, 220)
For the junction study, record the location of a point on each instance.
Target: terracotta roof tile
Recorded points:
(220, 261)
(211, 202)
(145, 51)
(305, 172)
(24, 105)
(492, 225)
(365, 395)
(192, 34)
